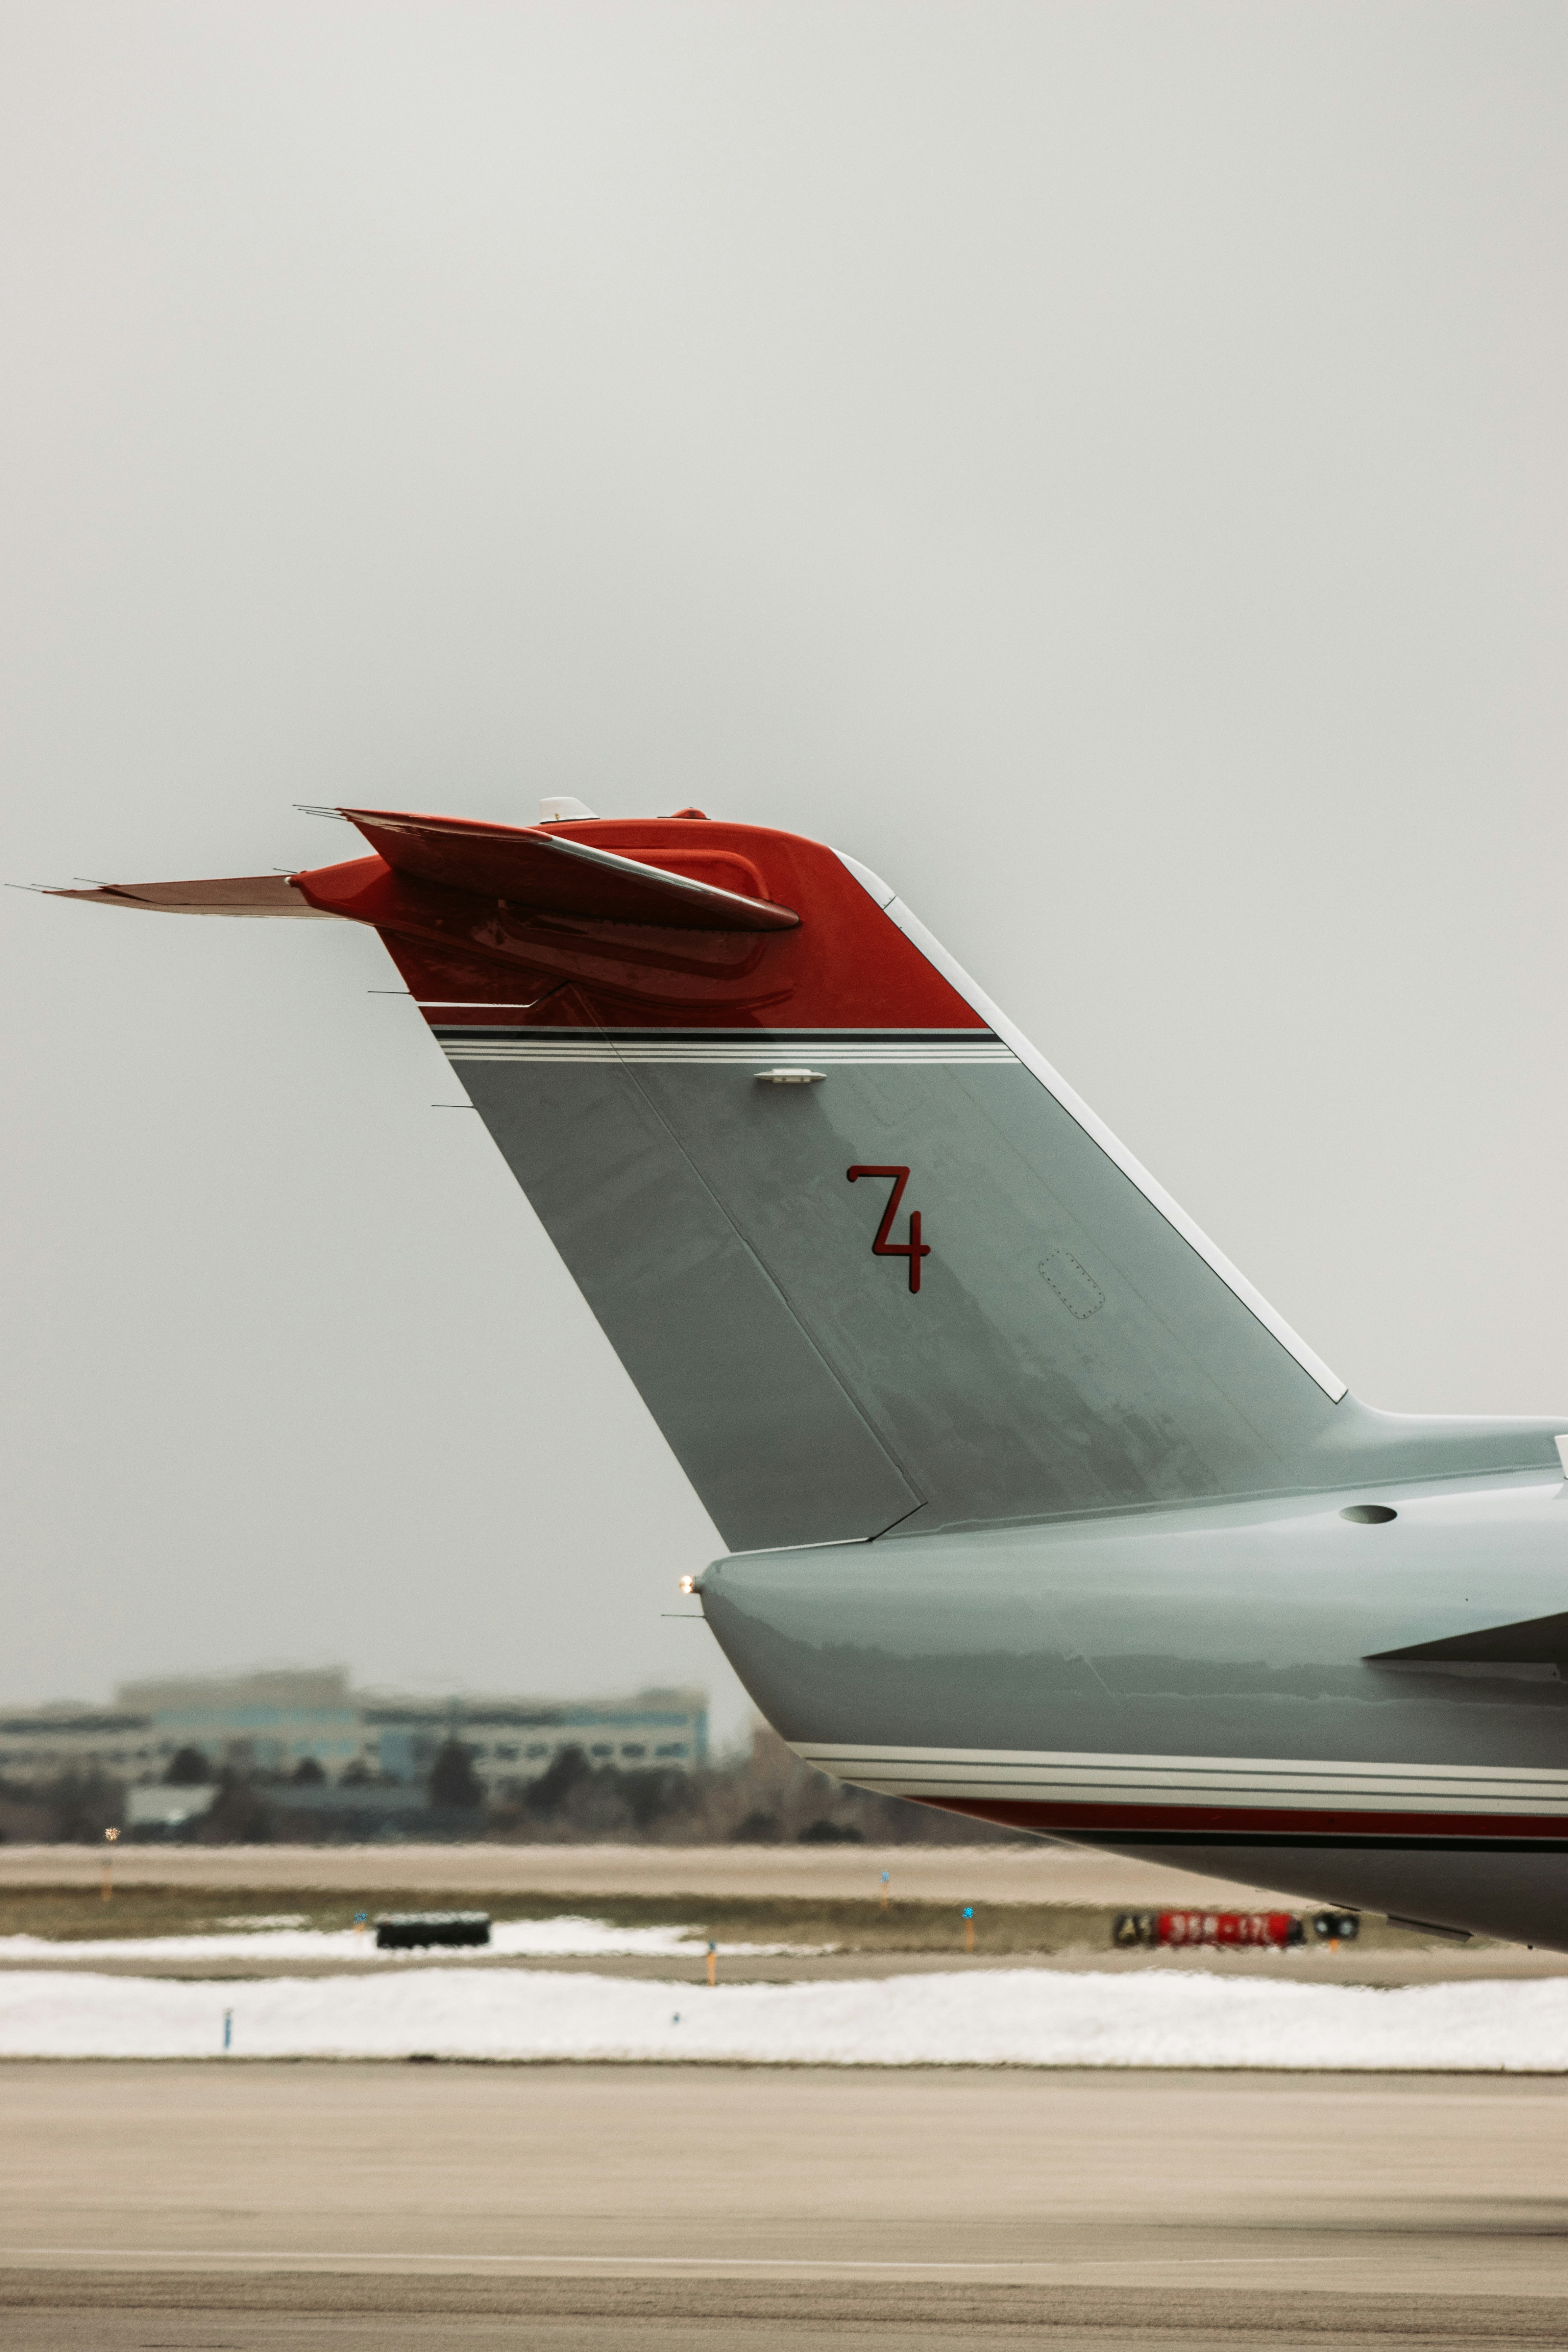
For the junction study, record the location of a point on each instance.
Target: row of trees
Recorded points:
(763, 1796)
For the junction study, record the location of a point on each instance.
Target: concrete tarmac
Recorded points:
(235, 2208)
(1031, 1872)
(1351, 1964)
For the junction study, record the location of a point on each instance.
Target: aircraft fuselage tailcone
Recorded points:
(1228, 1687)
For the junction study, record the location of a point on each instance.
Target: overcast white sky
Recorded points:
(1101, 464)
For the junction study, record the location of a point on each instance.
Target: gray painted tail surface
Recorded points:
(1066, 1349)
(919, 1286)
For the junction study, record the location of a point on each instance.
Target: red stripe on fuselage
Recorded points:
(1129, 1822)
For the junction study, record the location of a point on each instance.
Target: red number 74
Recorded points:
(914, 1249)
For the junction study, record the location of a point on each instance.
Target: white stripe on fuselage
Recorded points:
(1270, 1783)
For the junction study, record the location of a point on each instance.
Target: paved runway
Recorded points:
(280, 2209)
(1030, 1872)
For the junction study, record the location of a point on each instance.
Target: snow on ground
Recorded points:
(1016, 2017)
(535, 1938)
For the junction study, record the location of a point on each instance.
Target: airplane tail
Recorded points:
(868, 1258)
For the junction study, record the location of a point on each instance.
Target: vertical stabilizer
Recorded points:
(867, 1257)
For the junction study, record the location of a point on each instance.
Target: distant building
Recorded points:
(267, 1722)
(43, 1742)
(158, 1808)
(517, 1739)
(272, 1722)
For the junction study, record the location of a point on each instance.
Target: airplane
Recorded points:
(1036, 1511)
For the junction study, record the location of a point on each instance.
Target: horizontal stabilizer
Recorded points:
(249, 894)
(558, 876)
(1536, 1642)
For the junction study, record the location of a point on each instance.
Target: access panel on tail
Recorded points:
(866, 1259)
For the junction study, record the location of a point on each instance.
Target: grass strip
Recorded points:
(78, 1915)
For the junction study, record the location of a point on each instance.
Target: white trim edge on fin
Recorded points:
(952, 971)
(883, 892)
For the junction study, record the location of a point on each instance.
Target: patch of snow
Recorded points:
(281, 1939)
(1011, 2018)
